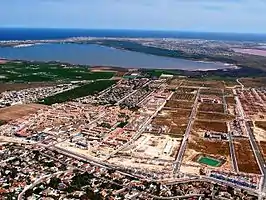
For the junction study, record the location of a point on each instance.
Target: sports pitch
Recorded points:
(209, 161)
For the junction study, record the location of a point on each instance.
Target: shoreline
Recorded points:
(226, 68)
(167, 62)
(181, 63)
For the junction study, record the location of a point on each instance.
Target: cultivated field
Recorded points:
(24, 72)
(245, 157)
(18, 111)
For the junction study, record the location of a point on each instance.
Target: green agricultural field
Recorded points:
(209, 161)
(21, 72)
(85, 90)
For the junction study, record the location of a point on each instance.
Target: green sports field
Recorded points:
(209, 161)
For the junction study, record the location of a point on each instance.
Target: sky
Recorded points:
(239, 16)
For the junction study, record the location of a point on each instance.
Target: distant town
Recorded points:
(111, 133)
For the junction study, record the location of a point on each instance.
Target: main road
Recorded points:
(181, 152)
(254, 145)
(232, 152)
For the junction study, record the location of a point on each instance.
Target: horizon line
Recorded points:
(127, 29)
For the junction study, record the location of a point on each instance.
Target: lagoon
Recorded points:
(96, 55)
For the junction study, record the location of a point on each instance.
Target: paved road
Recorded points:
(242, 86)
(232, 153)
(224, 103)
(258, 97)
(124, 98)
(258, 156)
(39, 180)
(181, 152)
(176, 197)
(254, 145)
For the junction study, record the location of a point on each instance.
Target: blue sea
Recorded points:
(42, 34)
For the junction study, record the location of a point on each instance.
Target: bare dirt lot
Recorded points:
(211, 84)
(228, 91)
(253, 82)
(176, 120)
(210, 126)
(231, 83)
(18, 111)
(3, 61)
(230, 100)
(183, 96)
(263, 148)
(150, 146)
(175, 126)
(261, 124)
(186, 90)
(211, 91)
(217, 149)
(214, 116)
(211, 107)
(245, 158)
(174, 114)
(174, 82)
(179, 104)
(210, 147)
